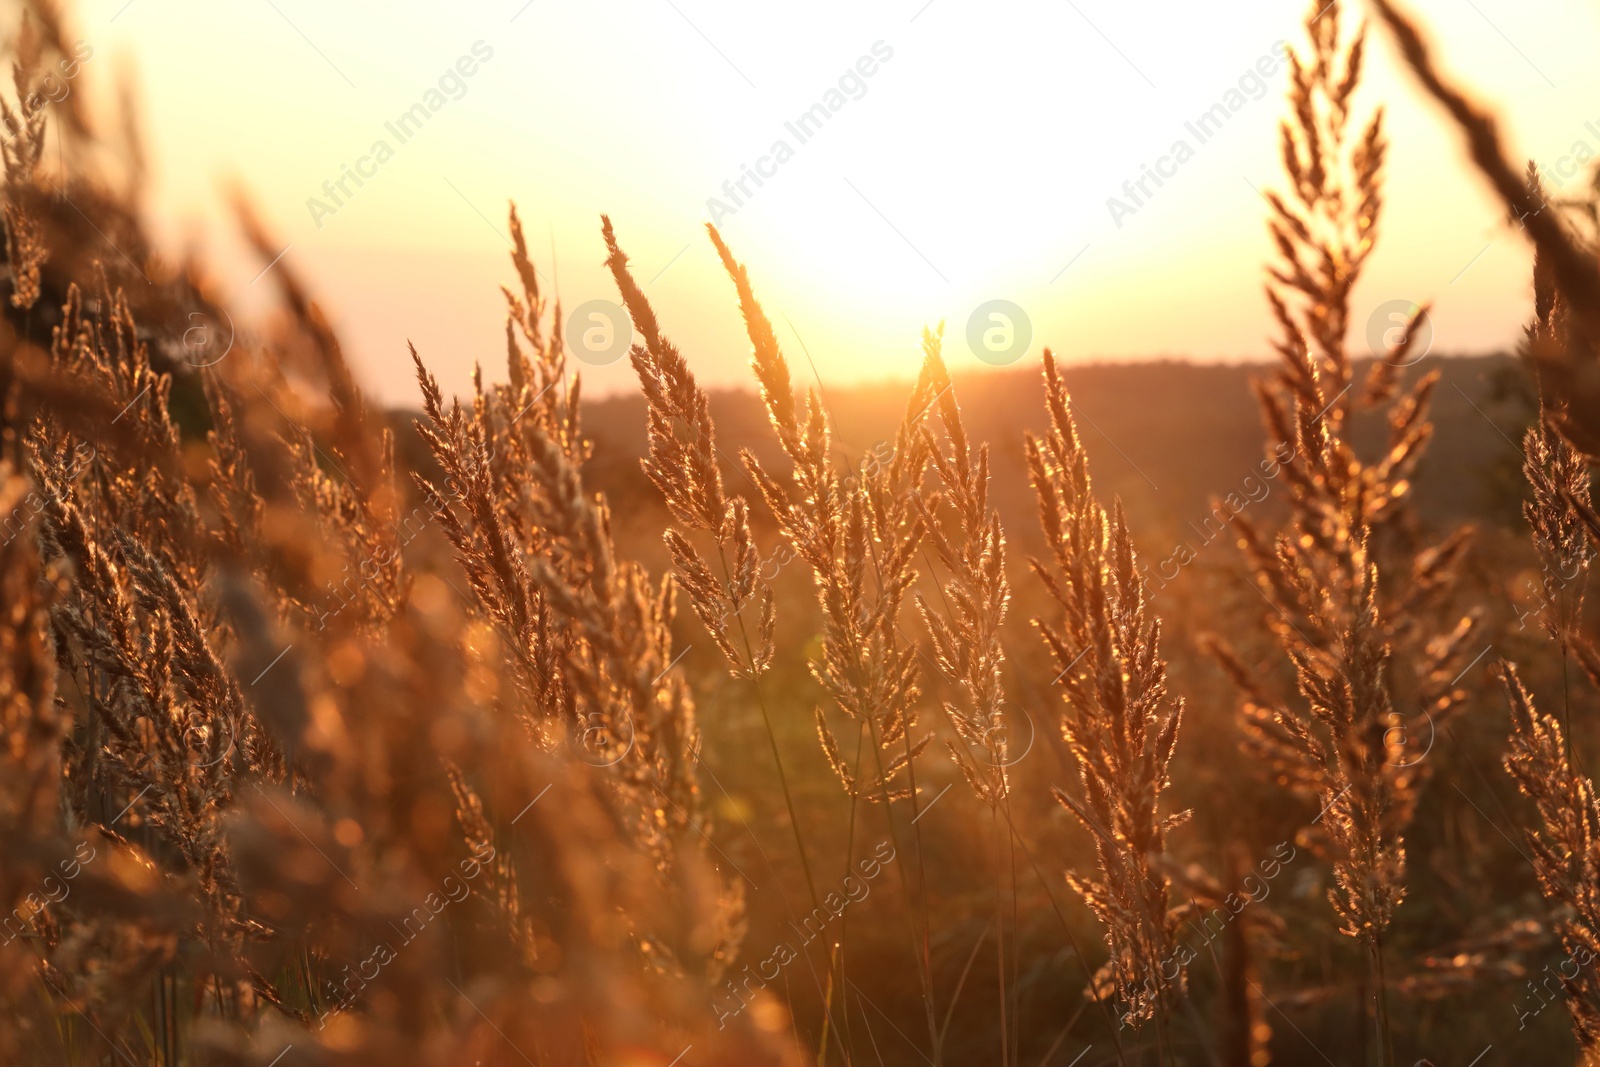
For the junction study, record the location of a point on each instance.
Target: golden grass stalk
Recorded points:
(591, 632)
(1340, 622)
(966, 634)
(1120, 722)
(273, 788)
(859, 535)
(1563, 839)
(1565, 842)
(682, 462)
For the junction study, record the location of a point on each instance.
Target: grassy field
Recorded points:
(1110, 714)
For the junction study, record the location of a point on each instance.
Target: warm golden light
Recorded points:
(989, 154)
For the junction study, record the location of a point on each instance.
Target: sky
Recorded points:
(970, 154)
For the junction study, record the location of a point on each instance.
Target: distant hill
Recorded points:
(1165, 436)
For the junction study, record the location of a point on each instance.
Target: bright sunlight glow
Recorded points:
(975, 161)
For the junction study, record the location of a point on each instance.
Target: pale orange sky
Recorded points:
(974, 163)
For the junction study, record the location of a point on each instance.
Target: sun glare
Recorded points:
(879, 169)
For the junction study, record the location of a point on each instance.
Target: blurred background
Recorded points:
(975, 164)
